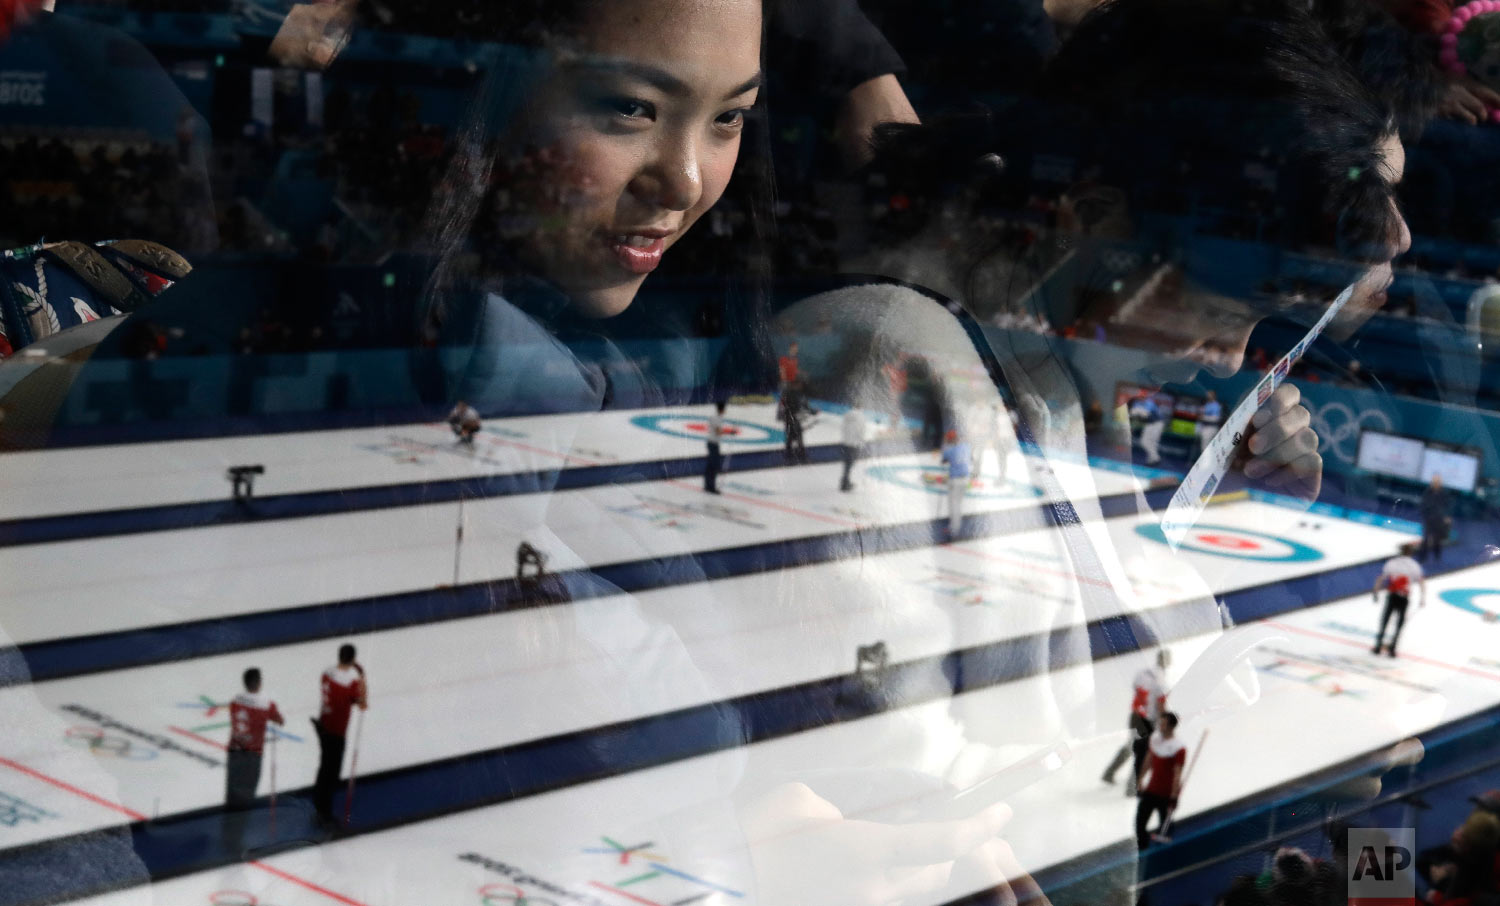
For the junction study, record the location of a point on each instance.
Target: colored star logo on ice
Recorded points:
(209, 706)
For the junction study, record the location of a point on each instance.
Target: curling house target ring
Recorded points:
(695, 427)
(1230, 542)
(934, 480)
(1468, 599)
(1238, 543)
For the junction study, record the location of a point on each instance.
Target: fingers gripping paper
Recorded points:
(1204, 477)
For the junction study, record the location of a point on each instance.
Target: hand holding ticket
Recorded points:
(1281, 451)
(1282, 447)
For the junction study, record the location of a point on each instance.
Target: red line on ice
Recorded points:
(1408, 657)
(203, 739)
(628, 896)
(70, 788)
(1041, 569)
(566, 457)
(755, 501)
(137, 816)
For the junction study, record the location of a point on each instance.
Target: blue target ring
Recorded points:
(695, 427)
(1463, 599)
(1237, 543)
(934, 480)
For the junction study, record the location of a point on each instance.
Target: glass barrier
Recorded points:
(849, 452)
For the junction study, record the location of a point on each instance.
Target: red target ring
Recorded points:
(1229, 542)
(702, 428)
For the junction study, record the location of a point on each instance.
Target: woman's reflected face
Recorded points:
(632, 137)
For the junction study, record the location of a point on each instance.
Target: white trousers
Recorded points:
(956, 489)
(1151, 440)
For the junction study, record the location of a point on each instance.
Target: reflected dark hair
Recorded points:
(1172, 101)
(533, 23)
(1180, 86)
(346, 653)
(466, 185)
(1393, 62)
(251, 679)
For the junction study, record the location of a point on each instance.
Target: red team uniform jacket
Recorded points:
(248, 714)
(343, 688)
(788, 367)
(1150, 698)
(1400, 574)
(1166, 754)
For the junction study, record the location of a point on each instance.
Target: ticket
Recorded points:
(1203, 478)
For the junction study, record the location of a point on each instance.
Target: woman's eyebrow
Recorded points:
(657, 78)
(748, 85)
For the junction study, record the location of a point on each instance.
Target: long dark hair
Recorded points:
(1172, 101)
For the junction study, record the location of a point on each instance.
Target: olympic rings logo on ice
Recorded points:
(1466, 599)
(934, 480)
(1238, 543)
(1336, 425)
(101, 743)
(510, 895)
(695, 427)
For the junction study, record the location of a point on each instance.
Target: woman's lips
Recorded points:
(636, 253)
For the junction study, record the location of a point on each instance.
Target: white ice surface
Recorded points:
(475, 684)
(93, 585)
(479, 683)
(1354, 700)
(91, 479)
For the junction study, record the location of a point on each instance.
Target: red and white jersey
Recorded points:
(1166, 756)
(343, 688)
(1150, 695)
(789, 369)
(248, 714)
(1400, 573)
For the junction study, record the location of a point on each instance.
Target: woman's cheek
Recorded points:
(717, 173)
(579, 172)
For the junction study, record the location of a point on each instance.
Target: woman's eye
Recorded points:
(629, 108)
(732, 118)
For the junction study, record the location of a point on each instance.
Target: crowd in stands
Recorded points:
(271, 335)
(1463, 871)
(163, 6)
(379, 154)
(458, 19)
(96, 188)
